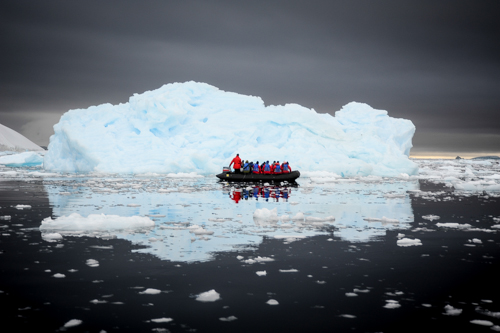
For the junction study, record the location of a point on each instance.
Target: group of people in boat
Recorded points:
(265, 168)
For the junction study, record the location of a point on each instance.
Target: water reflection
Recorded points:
(263, 192)
(362, 209)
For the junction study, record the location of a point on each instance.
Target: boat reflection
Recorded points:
(260, 192)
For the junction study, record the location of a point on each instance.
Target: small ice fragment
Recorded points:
(451, 311)
(391, 304)
(150, 291)
(161, 320)
(59, 275)
(272, 302)
(21, 207)
(52, 237)
(347, 316)
(73, 323)
(351, 294)
(261, 273)
(230, 318)
(292, 270)
(408, 242)
(430, 217)
(92, 263)
(481, 322)
(208, 296)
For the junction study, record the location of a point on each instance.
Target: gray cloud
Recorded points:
(435, 63)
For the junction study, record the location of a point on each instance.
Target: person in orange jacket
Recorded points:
(237, 163)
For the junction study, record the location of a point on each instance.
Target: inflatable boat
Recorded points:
(257, 177)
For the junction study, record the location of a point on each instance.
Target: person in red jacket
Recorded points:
(277, 168)
(237, 163)
(285, 167)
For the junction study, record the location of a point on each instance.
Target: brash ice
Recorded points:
(195, 127)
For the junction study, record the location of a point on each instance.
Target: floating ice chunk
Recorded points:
(21, 207)
(320, 219)
(430, 217)
(261, 273)
(263, 259)
(347, 316)
(383, 220)
(73, 323)
(475, 240)
(453, 225)
(292, 270)
(92, 263)
(451, 311)
(208, 296)
(392, 304)
(22, 159)
(230, 318)
(201, 231)
(52, 237)
(409, 242)
(272, 302)
(481, 322)
(97, 301)
(150, 291)
(349, 294)
(161, 320)
(8, 217)
(94, 222)
(59, 275)
(266, 214)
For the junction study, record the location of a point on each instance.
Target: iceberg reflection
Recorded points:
(196, 217)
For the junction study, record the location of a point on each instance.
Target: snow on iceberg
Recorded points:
(195, 127)
(14, 141)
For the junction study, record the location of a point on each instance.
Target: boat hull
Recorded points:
(252, 177)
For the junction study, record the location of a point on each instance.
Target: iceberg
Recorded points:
(11, 140)
(195, 127)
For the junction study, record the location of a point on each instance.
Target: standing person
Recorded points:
(237, 163)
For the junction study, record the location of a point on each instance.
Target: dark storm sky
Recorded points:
(436, 63)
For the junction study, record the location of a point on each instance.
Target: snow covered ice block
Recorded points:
(195, 127)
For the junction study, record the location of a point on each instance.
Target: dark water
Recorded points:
(448, 269)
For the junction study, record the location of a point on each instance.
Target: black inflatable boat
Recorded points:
(254, 177)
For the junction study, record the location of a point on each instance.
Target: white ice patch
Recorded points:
(92, 263)
(150, 291)
(430, 217)
(161, 320)
(208, 296)
(392, 304)
(408, 242)
(451, 311)
(76, 225)
(52, 237)
(272, 302)
(453, 225)
(73, 323)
